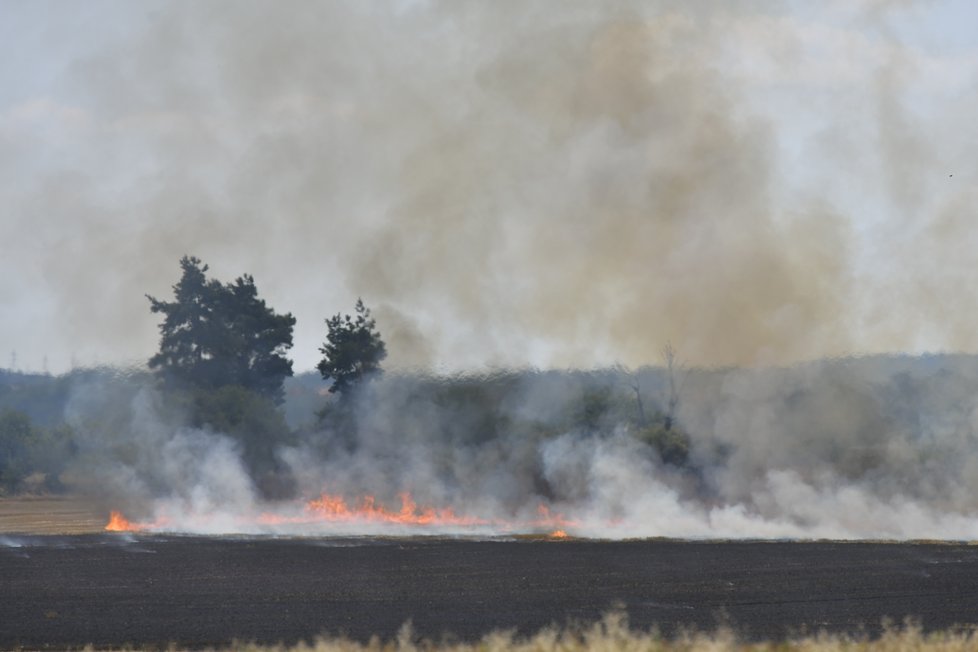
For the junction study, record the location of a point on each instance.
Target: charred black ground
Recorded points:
(107, 590)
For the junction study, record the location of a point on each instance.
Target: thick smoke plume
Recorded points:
(507, 183)
(860, 448)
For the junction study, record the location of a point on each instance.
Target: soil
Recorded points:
(110, 590)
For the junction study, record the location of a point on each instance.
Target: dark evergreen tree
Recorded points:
(216, 335)
(257, 340)
(188, 341)
(353, 350)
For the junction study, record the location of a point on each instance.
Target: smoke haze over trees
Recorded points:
(870, 447)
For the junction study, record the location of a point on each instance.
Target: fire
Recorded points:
(119, 523)
(333, 513)
(335, 509)
(547, 519)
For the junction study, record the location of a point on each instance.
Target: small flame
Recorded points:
(547, 519)
(119, 523)
(558, 534)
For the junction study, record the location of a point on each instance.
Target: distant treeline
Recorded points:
(46, 422)
(845, 413)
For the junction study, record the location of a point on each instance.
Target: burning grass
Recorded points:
(613, 633)
(365, 515)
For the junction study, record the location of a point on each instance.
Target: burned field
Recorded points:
(153, 589)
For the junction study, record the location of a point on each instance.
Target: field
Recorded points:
(50, 515)
(110, 590)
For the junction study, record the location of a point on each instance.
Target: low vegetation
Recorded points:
(613, 633)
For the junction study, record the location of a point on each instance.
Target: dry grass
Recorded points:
(612, 634)
(50, 515)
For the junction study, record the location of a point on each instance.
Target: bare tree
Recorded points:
(636, 386)
(675, 378)
(676, 375)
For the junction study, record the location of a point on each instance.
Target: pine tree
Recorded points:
(216, 335)
(353, 350)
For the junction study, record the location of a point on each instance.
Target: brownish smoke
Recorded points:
(552, 183)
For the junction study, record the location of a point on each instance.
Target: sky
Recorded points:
(552, 183)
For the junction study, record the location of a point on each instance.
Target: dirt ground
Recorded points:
(109, 590)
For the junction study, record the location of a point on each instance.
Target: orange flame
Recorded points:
(335, 509)
(119, 523)
(547, 519)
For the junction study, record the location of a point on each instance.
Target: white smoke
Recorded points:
(880, 448)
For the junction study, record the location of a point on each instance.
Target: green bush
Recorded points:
(672, 444)
(27, 451)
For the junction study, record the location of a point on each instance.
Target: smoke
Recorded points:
(880, 447)
(505, 183)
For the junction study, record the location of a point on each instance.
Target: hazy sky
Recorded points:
(548, 183)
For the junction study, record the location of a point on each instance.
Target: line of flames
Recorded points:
(334, 509)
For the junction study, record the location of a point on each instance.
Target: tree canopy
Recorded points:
(214, 335)
(353, 350)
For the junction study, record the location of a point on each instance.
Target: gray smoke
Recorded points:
(506, 183)
(881, 447)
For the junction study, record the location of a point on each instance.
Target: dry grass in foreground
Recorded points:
(612, 633)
